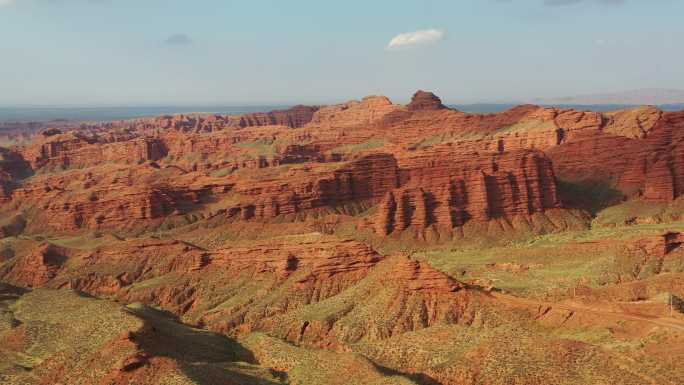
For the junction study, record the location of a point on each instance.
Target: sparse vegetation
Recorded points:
(428, 142)
(261, 147)
(353, 149)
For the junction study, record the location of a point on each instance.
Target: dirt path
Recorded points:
(670, 323)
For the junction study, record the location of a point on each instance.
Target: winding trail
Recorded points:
(666, 322)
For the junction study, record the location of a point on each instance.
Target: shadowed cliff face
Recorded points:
(12, 168)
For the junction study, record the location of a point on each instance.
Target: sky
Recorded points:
(225, 52)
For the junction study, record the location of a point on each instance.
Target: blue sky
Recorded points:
(132, 52)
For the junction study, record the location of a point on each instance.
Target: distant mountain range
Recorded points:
(655, 96)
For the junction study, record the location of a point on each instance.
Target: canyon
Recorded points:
(423, 164)
(416, 243)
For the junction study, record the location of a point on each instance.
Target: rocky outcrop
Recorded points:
(651, 166)
(635, 123)
(368, 111)
(35, 269)
(5, 186)
(78, 151)
(423, 164)
(421, 277)
(295, 117)
(438, 186)
(12, 168)
(238, 224)
(425, 101)
(657, 246)
(367, 178)
(402, 294)
(152, 139)
(448, 189)
(273, 286)
(183, 278)
(116, 197)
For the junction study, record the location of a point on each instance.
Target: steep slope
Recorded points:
(272, 286)
(449, 189)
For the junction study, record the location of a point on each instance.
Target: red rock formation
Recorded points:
(652, 166)
(583, 145)
(657, 246)
(36, 268)
(12, 168)
(386, 220)
(368, 178)
(422, 100)
(421, 277)
(430, 164)
(139, 259)
(5, 186)
(446, 188)
(437, 186)
(289, 275)
(410, 170)
(370, 110)
(294, 117)
(454, 189)
(114, 198)
(322, 260)
(403, 296)
(78, 151)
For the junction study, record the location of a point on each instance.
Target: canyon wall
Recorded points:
(422, 165)
(446, 188)
(78, 151)
(294, 117)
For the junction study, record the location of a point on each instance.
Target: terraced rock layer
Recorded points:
(423, 165)
(283, 288)
(445, 188)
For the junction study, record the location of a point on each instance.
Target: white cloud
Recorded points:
(411, 39)
(6, 2)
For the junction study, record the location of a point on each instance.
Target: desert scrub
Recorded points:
(353, 149)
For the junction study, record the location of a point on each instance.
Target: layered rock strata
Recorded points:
(448, 189)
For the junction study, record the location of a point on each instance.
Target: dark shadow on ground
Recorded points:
(205, 357)
(419, 378)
